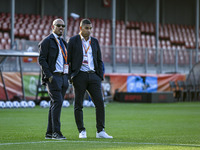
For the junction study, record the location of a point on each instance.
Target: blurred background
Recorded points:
(138, 38)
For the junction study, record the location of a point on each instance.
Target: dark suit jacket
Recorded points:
(48, 53)
(75, 56)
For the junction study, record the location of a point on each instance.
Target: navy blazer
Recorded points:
(75, 56)
(48, 54)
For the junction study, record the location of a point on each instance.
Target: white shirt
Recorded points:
(90, 65)
(59, 61)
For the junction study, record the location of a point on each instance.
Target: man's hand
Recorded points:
(50, 79)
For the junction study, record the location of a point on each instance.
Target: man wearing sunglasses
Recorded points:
(54, 67)
(86, 72)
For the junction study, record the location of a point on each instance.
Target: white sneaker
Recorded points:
(82, 134)
(103, 134)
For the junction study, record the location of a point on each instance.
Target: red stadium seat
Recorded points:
(6, 35)
(33, 31)
(46, 32)
(21, 32)
(3, 42)
(1, 46)
(7, 46)
(39, 32)
(31, 37)
(27, 32)
(152, 29)
(131, 34)
(1, 35)
(38, 37)
(6, 26)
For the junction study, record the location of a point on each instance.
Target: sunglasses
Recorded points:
(87, 28)
(60, 25)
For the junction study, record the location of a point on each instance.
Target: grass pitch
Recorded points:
(174, 126)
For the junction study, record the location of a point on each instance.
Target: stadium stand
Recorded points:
(129, 34)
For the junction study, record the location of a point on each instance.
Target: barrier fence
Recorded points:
(132, 60)
(126, 60)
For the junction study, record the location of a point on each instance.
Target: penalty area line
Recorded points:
(100, 142)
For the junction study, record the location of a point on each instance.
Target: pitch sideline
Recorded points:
(134, 143)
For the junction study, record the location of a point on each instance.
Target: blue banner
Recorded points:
(142, 84)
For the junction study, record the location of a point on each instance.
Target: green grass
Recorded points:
(174, 126)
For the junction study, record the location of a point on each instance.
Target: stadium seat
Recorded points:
(46, 32)
(6, 35)
(7, 46)
(151, 56)
(3, 41)
(130, 34)
(21, 33)
(27, 32)
(106, 54)
(118, 58)
(1, 46)
(31, 37)
(125, 58)
(39, 32)
(38, 37)
(6, 26)
(1, 35)
(152, 28)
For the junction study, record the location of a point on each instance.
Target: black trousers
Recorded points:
(92, 83)
(56, 90)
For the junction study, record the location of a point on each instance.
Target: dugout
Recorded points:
(194, 75)
(4, 55)
(193, 84)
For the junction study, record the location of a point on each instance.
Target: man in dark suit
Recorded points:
(53, 63)
(86, 72)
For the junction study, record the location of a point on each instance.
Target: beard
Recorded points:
(59, 34)
(85, 34)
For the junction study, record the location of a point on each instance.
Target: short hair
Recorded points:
(84, 22)
(56, 20)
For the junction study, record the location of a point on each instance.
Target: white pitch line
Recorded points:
(134, 143)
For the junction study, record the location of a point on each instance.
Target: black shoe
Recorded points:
(48, 136)
(58, 136)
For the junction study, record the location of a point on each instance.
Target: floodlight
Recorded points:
(74, 15)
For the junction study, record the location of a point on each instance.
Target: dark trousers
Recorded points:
(92, 83)
(56, 89)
